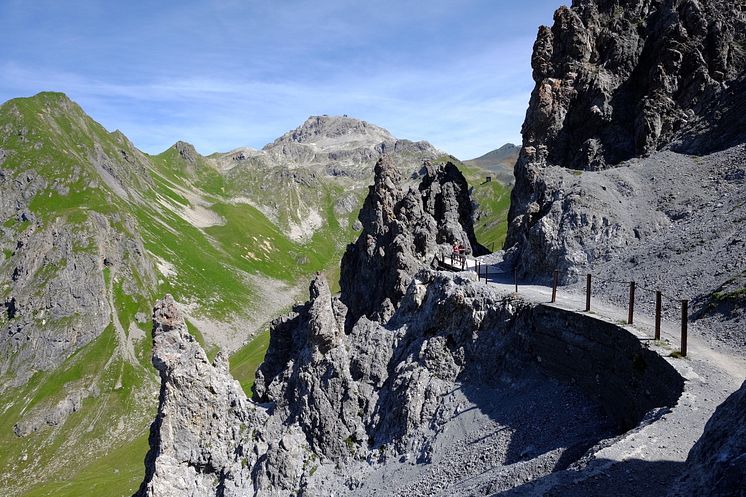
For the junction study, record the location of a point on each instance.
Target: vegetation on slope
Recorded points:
(83, 170)
(492, 199)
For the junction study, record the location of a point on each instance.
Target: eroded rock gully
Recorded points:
(439, 383)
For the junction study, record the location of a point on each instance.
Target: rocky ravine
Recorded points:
(439, 385)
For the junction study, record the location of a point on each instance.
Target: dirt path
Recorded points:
(661, 443)
(572, 297)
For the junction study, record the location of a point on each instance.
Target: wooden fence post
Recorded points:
(515, 279)
(588, 293)
(684, 325)
(555, 277)
(658, 315)
(631, 315)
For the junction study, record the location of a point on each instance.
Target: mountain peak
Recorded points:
(186, 151)
(328, 130)
(46, 101)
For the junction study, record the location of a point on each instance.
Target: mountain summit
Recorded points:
(328, 132)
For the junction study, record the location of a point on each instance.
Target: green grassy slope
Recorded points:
(85, 171)
(493, 202)
(51, 138)
(245, 361)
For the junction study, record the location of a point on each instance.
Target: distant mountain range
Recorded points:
(92, 231)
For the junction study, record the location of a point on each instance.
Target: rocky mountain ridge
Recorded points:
(338, 145)
(92, 229)
(354, 401)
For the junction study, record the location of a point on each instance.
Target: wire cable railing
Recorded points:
(486, 270)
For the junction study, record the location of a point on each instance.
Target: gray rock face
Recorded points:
(54, 416)
(208, 438)
(194, 446)
(41, 329)
(338, 397)
(402, 230)
(613, 83)
(307, 375)
(716, 465)
(617, 82)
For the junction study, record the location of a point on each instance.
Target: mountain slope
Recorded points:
(633, 168)
(324, 164)
(92, 229)
(500, 161)
(632, 159)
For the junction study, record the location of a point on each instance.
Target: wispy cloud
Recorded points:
(244, 76)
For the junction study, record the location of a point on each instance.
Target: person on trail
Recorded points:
(458, 251)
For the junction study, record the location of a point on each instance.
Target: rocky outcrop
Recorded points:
(402, 230)
(41, 329)
(208, 438)
(615, 82)
(338, 396)
(307, 377)
(716, 465)
(43, 416)
(194, 446)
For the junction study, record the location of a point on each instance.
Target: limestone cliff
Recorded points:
(616, 81)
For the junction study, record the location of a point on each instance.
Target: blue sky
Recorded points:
(227, 73)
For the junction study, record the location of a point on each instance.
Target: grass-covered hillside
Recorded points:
(93, 231)
(492, 199)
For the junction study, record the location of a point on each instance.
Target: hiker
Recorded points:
(458, 251)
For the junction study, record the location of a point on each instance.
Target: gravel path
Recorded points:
(646, 460)
(530, 435)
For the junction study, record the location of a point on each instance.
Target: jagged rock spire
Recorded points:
(401, 230)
